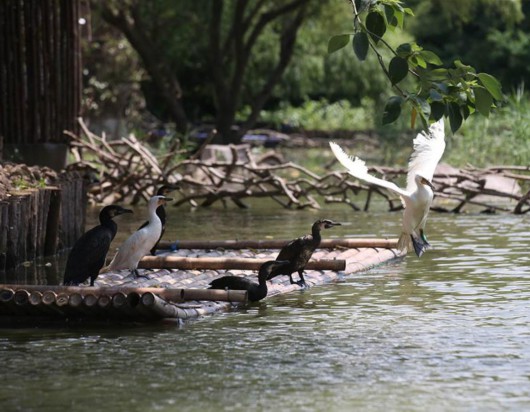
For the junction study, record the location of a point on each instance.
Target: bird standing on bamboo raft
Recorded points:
(299, 251)
(256, 291)
(140, 242)
(88, 255)
(161, 213)
(417, 197)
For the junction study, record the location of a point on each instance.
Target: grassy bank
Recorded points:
(503, 138)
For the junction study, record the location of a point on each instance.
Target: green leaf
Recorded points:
(435, 96)
(360, 45)
(483, 100)
(455, 117)
(404, 50)
(392, 109)
(397, 70)
(417, 60)
(431, 58)
(376, 26)
(398, 15)
(338, 42)
(437, 110)
(491, 84)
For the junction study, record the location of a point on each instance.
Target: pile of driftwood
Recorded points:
(126, 170)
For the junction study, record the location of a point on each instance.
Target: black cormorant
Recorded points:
(299, 251)
(160, 212)
(87, 256)
(140, 242)
(255, 291)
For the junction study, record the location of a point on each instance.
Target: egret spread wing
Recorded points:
(428, 149)
(357, 168)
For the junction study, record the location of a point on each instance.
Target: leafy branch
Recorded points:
(455, 92)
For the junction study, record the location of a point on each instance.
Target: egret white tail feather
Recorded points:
(417, 197)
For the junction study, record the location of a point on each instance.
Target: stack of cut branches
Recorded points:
(127, 171)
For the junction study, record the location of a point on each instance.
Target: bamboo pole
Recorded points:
(275, 244)
(160, 307)
(35, 298)
(178, 262)
(92, 293)
(48, 297)
(21, 297)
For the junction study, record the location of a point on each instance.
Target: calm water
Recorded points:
(448, 332)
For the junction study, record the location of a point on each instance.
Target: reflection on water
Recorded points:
(449, 331)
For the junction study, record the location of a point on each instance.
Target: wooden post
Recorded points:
(177, 262)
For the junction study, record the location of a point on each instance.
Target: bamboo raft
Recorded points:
(174, 285)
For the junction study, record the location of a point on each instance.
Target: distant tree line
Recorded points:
(227, 60)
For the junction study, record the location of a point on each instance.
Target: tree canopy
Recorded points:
(208, 60)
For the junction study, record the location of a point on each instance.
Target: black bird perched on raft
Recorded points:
(255, 291)
(299, 251)
(163, 190)
(87, 256)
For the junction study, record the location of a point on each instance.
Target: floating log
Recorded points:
(177, 262)
(76, 300)
(274, 244)
(93, 293)
(35, 298)
(48, 297)
(160, 307)
(21, 297)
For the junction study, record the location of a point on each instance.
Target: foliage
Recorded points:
(322, 115)
(455, 92)
(491, 34)
(502, 140)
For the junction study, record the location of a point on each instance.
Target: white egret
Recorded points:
(417, 197)
(140, 242)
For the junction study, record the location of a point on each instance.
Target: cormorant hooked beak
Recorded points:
(121, 211)
(330, 223)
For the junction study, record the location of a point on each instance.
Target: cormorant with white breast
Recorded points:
(299, 251)
(417, 197)
(163, 190)
(87, 256)
(256, 291)
(140, 242)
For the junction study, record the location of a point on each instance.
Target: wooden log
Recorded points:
(62, 299)
(90, 300)
(6, 294)
(173, 295)
(160, 307)
(274, 244)
(21, 297)
(35, 298)
(48, 297)
(105, 301)
(177, 262)
(76, 300)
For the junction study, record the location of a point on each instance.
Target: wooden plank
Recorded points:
(274, 244)
(178, 262)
